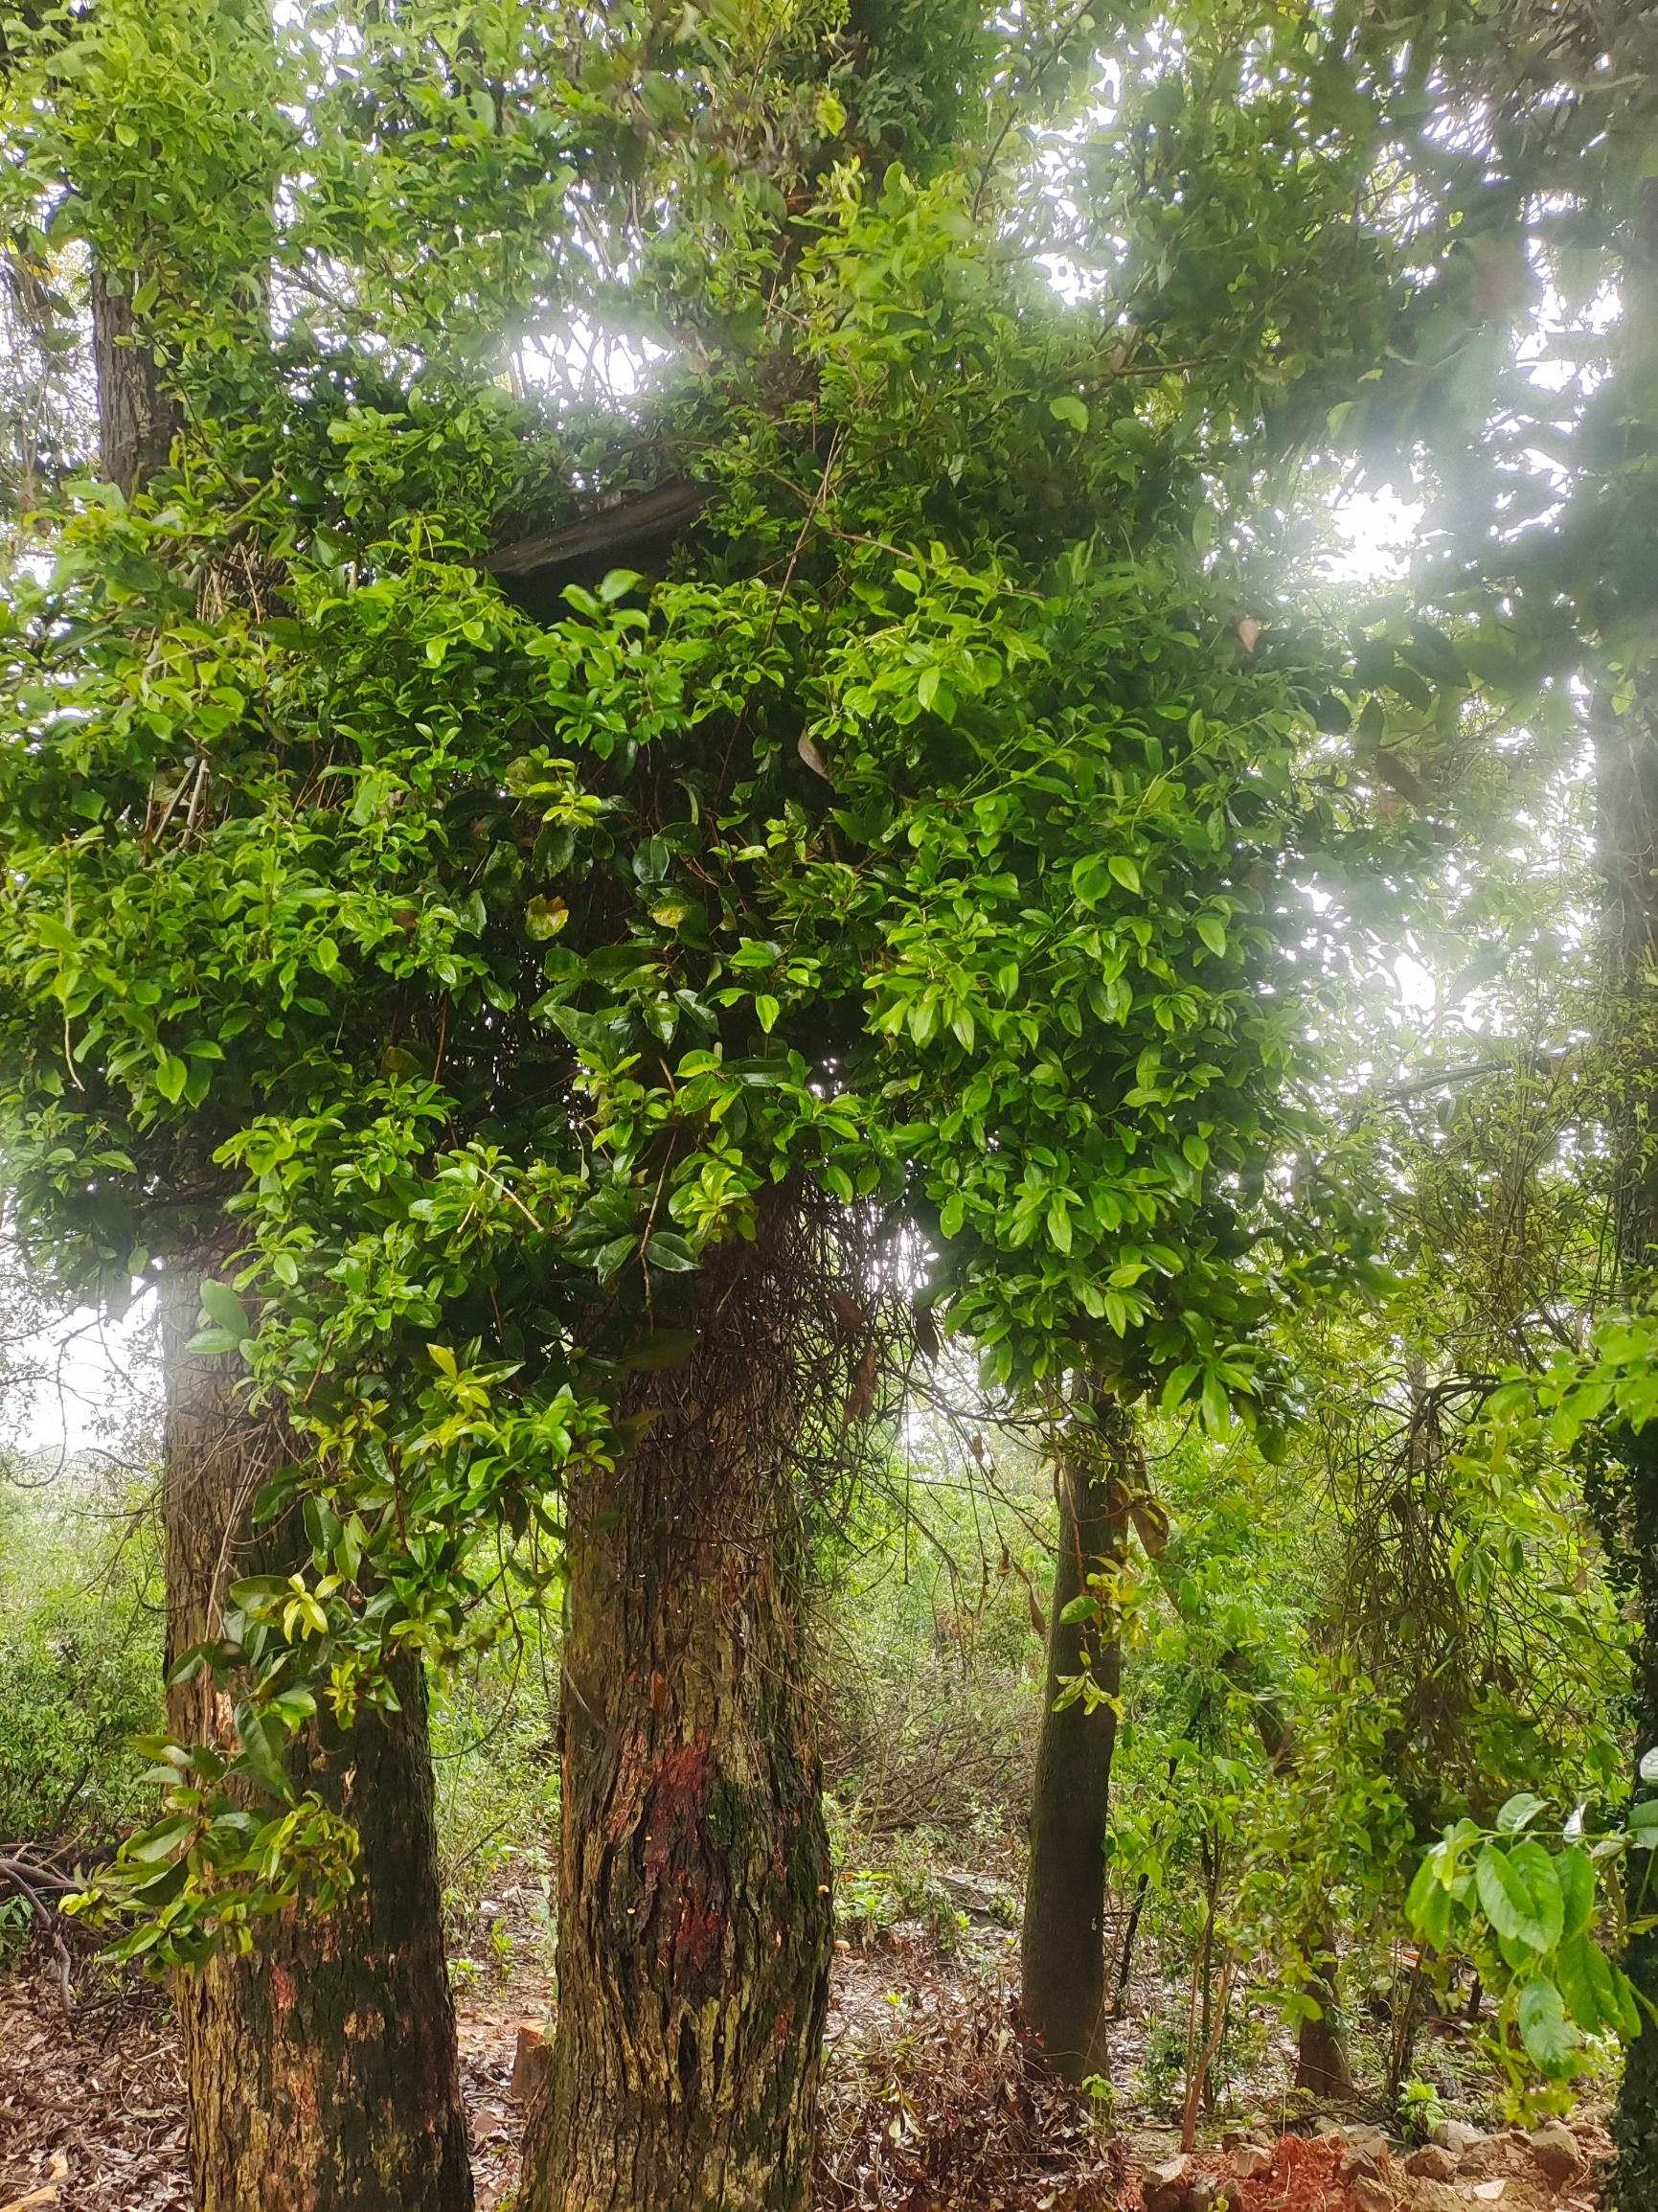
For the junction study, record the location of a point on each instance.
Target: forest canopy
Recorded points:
(684, 775)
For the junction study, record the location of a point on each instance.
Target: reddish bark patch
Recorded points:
(678, 1794)
(677, 1857)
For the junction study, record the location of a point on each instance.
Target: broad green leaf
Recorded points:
(670, 1253)
(1506, 1899)
(222, 1308)
(1125, 870)
(1517, 1812)
(1552, 2042)
(1067, 408)
(1576, 1879)
(1585, 1979)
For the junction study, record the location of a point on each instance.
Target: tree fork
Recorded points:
(696, 1929)
(321, 2067)
(1062, 1985)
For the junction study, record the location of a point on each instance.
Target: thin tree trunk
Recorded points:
(321, 2067)
(695, 1925)
(1062, 1986)
(1321, 2047)
(137, 416)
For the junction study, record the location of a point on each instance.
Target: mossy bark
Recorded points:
(1063, 1977)
(695, 1925)
(322, 2068)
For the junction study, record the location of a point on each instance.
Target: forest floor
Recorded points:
(929, 2102)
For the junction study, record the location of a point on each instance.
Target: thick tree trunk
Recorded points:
(322, 2068)
(1063, 1961)
(696, 1926)
(137, 417)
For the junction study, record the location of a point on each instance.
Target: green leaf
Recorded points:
(670, 1253)
(221, 1308)
(1575, 1874)
(766, 1010)
(172, 1074)
(262, 1747)
(544, 917)
(1537, 1870)
(1067, 408)
(1125, 870)
(1434, 1917)
(1213, 932)
(1585, 1979)
(1517, 1812)
(1505, 1894)
(616, 584)
(1551, 2040)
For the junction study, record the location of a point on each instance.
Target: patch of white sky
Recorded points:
(79, 1382)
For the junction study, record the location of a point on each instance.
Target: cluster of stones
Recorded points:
(1458, 2168)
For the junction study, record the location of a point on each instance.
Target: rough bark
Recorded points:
(696, 1926)
(137, 416)
(322, 2070)
(1063, 1960)
(1320, 2059)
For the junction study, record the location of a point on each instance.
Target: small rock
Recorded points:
(529, 2061)
(1358, 2161)
(1429, 2195)
(1372, 2193)
(1490, 2154)
(1250, 2160)
(1488, 2191)
(1324, 2125)
(1433, 2162)
(1208, 2190)
(1166, 2187)
(1554, 2147)
(1456, 2136)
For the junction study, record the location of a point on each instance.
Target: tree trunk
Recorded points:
(696, 1926)
(321, 2067)
(1320, 2062)
(137, 419)
(1063, 1961)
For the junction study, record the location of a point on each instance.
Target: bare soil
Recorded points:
(930, 2103)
